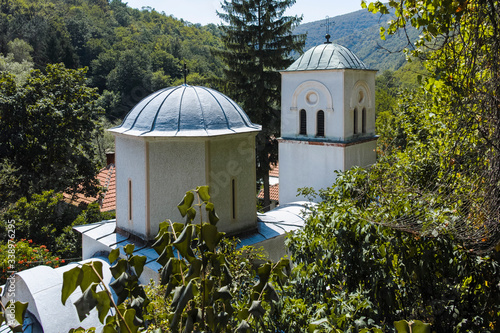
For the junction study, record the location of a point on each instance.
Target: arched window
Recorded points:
(363, 121)
(303, 122)
(130, 199)
(233, 198)
(320, 123)
(355, 116)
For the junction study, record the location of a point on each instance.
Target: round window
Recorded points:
(311, 98)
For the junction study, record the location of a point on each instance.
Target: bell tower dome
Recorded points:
(327, 118)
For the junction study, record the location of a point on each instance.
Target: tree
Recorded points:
(47, 125)
(257, 42)
(355, 273)
(462, 52)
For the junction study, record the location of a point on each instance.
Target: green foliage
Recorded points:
(258, 42)
(18, 61)
(209, 286)
(47, 128)
(21, 255)
(41, 219)
(89, 276)
(356, 272)
(444, 135)
(46, 219)
(111, 39)
(206, 284)
(415, 326)
(12, 314)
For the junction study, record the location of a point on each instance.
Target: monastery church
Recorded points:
(181, 137)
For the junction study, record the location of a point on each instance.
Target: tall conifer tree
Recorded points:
(258, 42)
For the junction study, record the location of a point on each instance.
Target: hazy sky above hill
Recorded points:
(203, 11)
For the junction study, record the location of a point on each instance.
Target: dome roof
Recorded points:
(186, 111)
(327, 56)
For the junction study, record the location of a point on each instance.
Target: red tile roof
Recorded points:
(275, 170)
(107, 198)
(274, 193)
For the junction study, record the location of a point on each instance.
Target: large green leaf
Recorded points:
(211, 236)
(190, 215)
(103, 304)
(208, 291)
(210, 318)
(16, 325)
(194, 270)
(418, 326)
(223, 293)
(244, 327)
(212, 215)
(186, 203)
(119, 268)
(402, 326)
(187, 294)
(183, 243)
(129, 249)
(138, 263)
(166, 271)
(177, 295)
(86, 302)
(165, 255)
(119, 286)
(92, 273)
(227, 277)
(129, 316)
(113, 255)
(161, 243)
(257, 310)
(203, 193)
(71, 280)
(270, 293)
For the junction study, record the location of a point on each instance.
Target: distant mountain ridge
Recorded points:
(360, 32)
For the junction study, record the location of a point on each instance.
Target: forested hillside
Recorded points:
(360, 32)
(129, 52)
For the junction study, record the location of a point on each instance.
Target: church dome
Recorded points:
(327, 56)
(186, 111)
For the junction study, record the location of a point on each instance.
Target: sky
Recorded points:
(204, 11)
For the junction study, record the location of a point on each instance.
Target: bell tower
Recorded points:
(327, 119)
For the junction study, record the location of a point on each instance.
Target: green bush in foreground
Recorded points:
(207, 285)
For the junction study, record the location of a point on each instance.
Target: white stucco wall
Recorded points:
(312, 91)
(362, 154)
(162, 170)
(356, 81)
(306, 165)
(176, 166)
(233, 157)
(130, 159)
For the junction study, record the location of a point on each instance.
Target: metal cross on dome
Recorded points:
(327, 24)
(185, 72)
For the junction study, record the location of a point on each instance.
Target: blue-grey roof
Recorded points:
(327, 56)
(186, 111)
